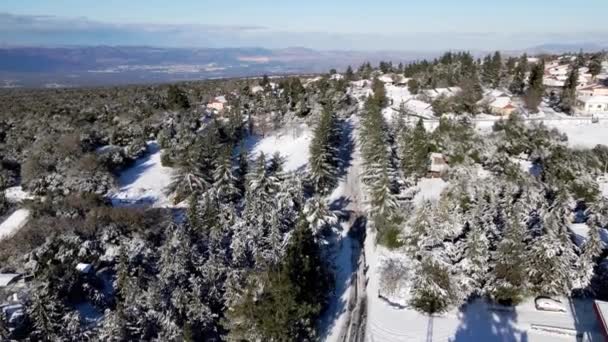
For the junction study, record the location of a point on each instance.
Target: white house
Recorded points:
(502, 106)
(593, 104)
(592, 90)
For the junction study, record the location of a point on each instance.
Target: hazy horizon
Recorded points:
(338, 25)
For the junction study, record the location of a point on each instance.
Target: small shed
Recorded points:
(438, 165)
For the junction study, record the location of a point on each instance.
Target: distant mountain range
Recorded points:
(106, 65)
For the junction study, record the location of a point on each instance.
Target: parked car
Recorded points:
(549, 304)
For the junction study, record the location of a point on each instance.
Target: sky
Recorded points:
(320, 24)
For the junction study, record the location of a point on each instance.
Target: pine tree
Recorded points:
(535, 91)
(475, 265)
(45, 312)
(224, 180)
(323, 153)
(507, 281)
(349, 75)
(432, 290)
(318, 215)
(568, 96)
(518, 85)
(595, 66)
(414, 151)
(177, 98)
(551, 257)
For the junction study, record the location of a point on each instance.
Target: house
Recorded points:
(7, 279)
(593, 104)
(438, 165)
(218, 103)
(592, 90)
(502, 106)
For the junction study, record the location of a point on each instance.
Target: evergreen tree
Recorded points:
(319, 216)
(323, 153)
(568, 96)
(45, 312)
(518, 85)
(414, 151)
(475, 264)
(283, 304)
(349, 75)
(177, 98)
(536, 89)
(224, 180)
(432, 290)
(595, 66)
(413, 86)
(549, 265)
(507, 282)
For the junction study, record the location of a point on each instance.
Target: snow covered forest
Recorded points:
(347, 206)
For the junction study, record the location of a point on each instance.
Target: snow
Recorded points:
(14, 222)
(145, 182)
(430, 189)
(347, 196)
(84, 268)
(16, 194)
(582, 133)
(292, 144)
(475, 321)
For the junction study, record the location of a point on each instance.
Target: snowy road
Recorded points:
(344, 319)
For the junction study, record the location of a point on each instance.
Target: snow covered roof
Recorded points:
(221, 99)
(84, 268)
(7, 278)
(337, 77)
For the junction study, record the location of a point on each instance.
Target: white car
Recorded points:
(549, 304)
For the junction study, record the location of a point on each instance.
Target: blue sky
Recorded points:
(313, 23)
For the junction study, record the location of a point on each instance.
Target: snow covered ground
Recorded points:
(14, 222)
(582, 133)
(475, 321)
(291, 143)
(144, 183)
(430, 189)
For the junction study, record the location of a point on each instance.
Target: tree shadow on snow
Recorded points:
(479, 322)
(346, 261)
(347, 146)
